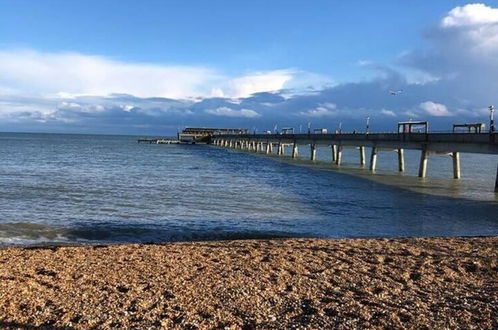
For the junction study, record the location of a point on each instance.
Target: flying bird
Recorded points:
(396, 92)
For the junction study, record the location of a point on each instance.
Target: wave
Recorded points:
(23, 233)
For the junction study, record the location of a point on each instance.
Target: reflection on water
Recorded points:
(77, 188)
(477, 182)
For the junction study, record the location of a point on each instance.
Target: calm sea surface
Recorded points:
(96, 189)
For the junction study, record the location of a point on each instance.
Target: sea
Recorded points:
(95, 189)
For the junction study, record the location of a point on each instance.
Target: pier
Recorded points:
(451, 144)
(158, 141)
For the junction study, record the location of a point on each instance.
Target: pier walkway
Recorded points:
(428, 143)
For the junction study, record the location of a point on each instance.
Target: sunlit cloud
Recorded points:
(323, 110)
(227, 112)
(435, 109)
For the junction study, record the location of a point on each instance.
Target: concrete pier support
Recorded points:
(373, 159)
(313, 151)
(334, 152)
(279, 149)
(295, 150)
(271, 147)
(282, 149)
(422, 170)
(268, 148)
(456, 165)
(338, 156)
(401, 160)
(362, 155)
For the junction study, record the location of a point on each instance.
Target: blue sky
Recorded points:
(148, 67)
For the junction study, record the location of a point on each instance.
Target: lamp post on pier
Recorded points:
(368, 125)
(491, 119)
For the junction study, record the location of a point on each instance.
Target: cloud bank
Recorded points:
(452, 78)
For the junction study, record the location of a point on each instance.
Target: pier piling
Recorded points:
(334, 152)
(313, 151)
(280, 149)
(295, 150)
(456, 165)
(422, 170)
(496, 180)
(373, 159)
(338, 156)
(362, 155)
(401, 160)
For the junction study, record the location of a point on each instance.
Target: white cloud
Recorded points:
(217, 92)
(389, 113)
(435, 109)
(411, 114)
(73, 73)
(259, 82)
(227, 112)
(323, 110)
(471, 30)
(471, 14)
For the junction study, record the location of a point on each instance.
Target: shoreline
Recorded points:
(99, 244)
(242, 284)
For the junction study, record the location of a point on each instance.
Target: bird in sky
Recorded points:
(396, 92)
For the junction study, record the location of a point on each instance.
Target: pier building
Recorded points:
(204, 134)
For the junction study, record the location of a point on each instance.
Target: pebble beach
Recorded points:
(245, 284)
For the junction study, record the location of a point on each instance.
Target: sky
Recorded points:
(153, 67)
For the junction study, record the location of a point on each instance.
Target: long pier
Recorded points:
(158, 141)
(428, 143)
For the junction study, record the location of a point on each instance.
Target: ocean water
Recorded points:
(57, 188)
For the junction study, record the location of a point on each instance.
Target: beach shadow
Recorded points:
(16, 325)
